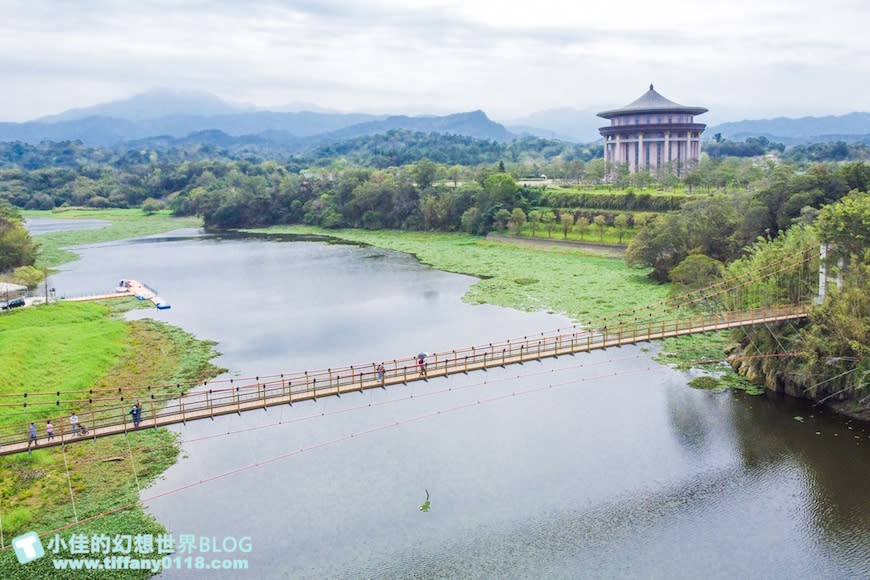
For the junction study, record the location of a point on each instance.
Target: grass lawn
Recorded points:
(125, 224)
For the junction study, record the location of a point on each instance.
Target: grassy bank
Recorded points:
(583, 286)
(74, 346)
(124, 224)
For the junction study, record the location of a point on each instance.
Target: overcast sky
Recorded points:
(739, 58)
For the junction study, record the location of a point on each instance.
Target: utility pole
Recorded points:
(45, 281)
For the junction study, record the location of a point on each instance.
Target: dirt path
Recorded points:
(612, 251)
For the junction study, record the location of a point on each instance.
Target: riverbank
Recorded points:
(122, 224)
(37, 493)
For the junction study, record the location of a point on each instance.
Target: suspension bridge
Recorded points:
(779, 292)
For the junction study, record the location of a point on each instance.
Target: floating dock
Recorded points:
(128, 288)
(142, 292)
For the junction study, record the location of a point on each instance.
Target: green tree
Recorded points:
(696, 271)
(501, 188)
(846, 226)
(621, 223)
(534, 220)
(471, 219)
(600, 222)
(580, 225)
(151, 206)
(549, 220)
(501, 219)
(17, 248)
(566, 218)
(424, 173)
(518, 219)
(28, 276)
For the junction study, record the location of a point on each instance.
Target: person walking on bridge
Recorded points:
(33, 440)
(49, 430)
(136, 412)
(74, 423)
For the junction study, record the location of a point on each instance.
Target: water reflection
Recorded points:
(824, 455)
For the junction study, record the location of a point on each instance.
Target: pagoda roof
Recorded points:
(652, 102)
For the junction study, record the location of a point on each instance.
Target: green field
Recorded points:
(125, 224)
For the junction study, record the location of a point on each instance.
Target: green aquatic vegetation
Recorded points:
(706, 383)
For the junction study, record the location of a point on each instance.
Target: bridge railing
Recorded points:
(163, 406)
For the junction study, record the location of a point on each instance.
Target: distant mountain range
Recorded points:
(850, 128)
(168, 118)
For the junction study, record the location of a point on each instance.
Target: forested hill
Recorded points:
(394, 148)
(399, 147)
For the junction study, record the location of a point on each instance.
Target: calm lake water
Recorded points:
(597, 465)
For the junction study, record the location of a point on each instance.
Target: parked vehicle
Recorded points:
(15, 303)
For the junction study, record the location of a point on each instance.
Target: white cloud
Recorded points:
(508, 58)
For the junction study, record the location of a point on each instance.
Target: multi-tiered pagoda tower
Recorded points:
(652, 134)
